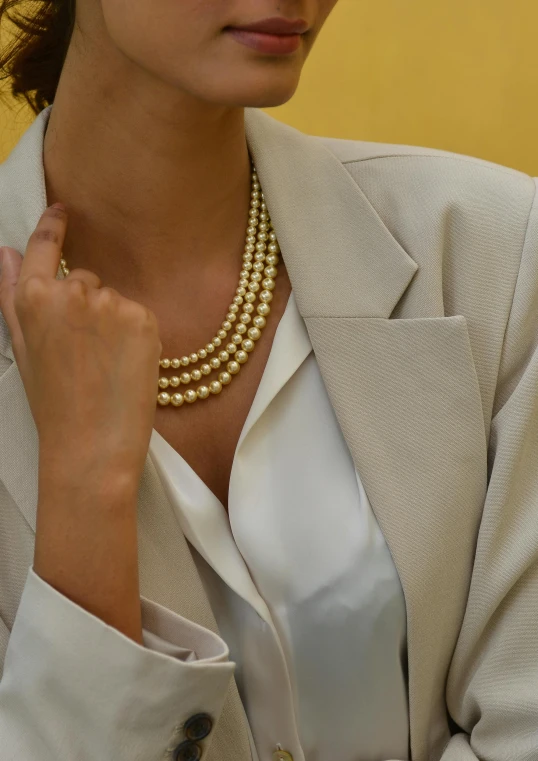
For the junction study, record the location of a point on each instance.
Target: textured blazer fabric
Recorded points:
(416, 272)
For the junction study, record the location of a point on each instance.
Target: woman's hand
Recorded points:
(89, 362)
(88, 357)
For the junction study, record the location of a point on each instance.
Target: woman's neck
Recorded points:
(152, 190)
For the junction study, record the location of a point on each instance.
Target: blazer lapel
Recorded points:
(405, 392)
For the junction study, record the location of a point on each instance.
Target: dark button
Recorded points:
(187, 751)
(198, 727)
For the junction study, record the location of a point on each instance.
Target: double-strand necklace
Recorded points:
(246, 317)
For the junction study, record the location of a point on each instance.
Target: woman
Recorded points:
(319, 541)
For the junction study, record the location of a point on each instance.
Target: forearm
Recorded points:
(86, 541)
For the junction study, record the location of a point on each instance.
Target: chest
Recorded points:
(206, 433)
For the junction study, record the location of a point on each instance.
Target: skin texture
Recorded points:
(146, 148)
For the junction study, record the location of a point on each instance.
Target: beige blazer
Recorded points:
(416, 272)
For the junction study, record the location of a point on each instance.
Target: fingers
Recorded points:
(11, 268)
(90, 278)
(44, 249)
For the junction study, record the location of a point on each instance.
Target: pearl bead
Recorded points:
(232, 316)
(256, 277)
(202, 392)
(196, 374)
(259, 256)
(174, 381)
(233, 367)
(215, 387)
(243, 273)
(251, 239)
(245, 318)
(233, 309)
(193, 358)
(250, 248)
(247, 266)
(241, 291)
(263, 309)
(248, 308)
(223, 333)
(224, 356)
(202, 354)
(175, 363)
(266, 296)
(231, 348)
(247, 345)
(177, 400)
(251, 230)
(258, 266)
(270, 271)
(238, 300)
(190, 396)
(273, 247)
(215, 363)
(216, 341)
(255, 204)
(241, 327)
(262, 236)
(263, 226)
(185, 378)
(272, 236)
(254, 333)
(241, 357)
(247, 257)
(259, 321)
(205, 369)
(184, 361)
(253, 287)
(225, 378)
(165, 363)
(272, 259)
(243, 282)
(163, 382)
(163, 398)
(268, 283)
(209, 348)
(227, 325)
(250, 297)
(236, 339)
(264, 216)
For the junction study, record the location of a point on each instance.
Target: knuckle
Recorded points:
(46, 234)
(77, 290)
(30, 292)
(106, 296)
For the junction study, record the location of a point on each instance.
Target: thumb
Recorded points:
(10, 267)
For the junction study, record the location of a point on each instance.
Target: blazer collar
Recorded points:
(328, 230)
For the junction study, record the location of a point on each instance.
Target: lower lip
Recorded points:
(274, 44)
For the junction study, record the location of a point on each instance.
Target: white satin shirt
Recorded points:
(299, 577)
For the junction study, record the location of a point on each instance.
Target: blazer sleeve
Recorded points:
(76, 689)
(492, 691)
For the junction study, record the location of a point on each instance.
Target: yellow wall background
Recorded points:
(461, 75)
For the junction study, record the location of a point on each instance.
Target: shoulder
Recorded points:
(437, 177)
(455, 205)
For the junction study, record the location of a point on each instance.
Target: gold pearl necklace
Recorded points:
(260, 256)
